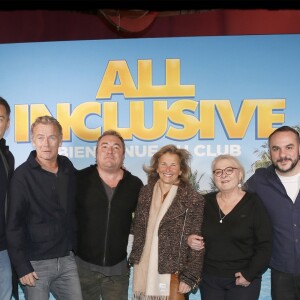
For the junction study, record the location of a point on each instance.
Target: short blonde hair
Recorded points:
(235, 161)
(46, 120)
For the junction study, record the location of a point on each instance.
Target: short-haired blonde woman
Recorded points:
(237, 235)
(168, 211)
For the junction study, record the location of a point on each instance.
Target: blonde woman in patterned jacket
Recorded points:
(168, 211)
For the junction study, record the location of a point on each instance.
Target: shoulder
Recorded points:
(210, 196)
(147, 188)
(66, 163)
(260, 177)
(21, 171)
(10, 156)
(189, 195)
(146, 191)
(20, 168)
(262, 172)
(132, 178)
(86, 171)
(193, 192)
(254, 198)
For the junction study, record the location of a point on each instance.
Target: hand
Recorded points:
(183, 288)
(196, 242)
(240, 280)
(29, 279)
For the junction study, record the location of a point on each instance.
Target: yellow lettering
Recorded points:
(116, 69)
(159, 120)
(181, 121)
(21, 123)
(172, 88)
(207, 119)
(38, 110)
(265, 116)
(119, 70)
(78, 122)
(188, 124)
(236, 129)
(64, 118)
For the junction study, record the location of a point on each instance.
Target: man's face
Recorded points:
(46, 139)
(110, 153)
(4, 121)
(284, 152)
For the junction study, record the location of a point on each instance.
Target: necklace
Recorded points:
(221, 218)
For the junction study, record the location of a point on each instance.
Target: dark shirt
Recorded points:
(6, 168)
(241, 243)
(41, 213)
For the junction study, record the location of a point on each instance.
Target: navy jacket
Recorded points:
(41, 213)
(285, 217)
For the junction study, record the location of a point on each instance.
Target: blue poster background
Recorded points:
(211, 95)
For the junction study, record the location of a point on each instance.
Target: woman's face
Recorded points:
(168, 168)
(226, 175)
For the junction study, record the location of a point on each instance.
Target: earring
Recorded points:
(240, 184)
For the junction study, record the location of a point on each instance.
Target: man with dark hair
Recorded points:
(41, 224)
(278, 186)
(6, 168)
(106, 200)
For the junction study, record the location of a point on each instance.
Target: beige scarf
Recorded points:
(148, 284)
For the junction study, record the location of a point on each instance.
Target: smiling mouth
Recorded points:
(168, 175)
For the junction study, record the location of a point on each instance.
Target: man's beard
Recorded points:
(292, 166)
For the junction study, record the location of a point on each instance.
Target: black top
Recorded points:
(7, 163)
(241, 243)
(103, 224)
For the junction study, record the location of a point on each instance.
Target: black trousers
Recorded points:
(218, 288)
(285, 286)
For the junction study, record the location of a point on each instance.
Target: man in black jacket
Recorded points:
(41, 231)
(6, 168)
(106, 200)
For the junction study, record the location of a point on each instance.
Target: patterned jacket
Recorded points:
(184, 217)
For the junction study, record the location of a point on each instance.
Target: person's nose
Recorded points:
(169, 168)
(223, 175)
(282, 153)
(46, 142)
(110, 149)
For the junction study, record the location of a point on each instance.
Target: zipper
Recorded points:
(179, 256)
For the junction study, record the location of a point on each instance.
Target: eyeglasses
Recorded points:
(228, 171)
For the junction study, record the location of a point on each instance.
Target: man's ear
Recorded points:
(32, 142)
